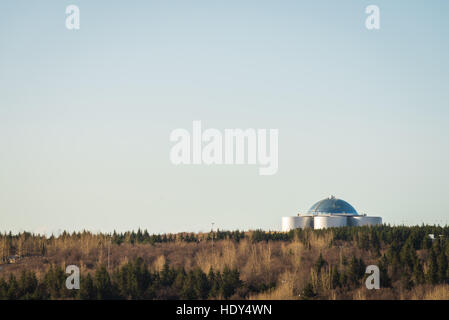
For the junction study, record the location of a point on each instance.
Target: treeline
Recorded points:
(420, 237)
(27, 244)
(25, 241)
(132, 281)
(23, 244)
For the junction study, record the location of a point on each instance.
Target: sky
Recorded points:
(86, 115)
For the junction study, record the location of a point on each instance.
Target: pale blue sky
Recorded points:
(85, 116)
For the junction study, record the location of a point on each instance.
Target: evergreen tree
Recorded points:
(418, 273)
(103, 285)
(202, 285)
(215, 283)
(432, 272)
(27, 286)
(385, 281)
(87, 288)
(426, 243)
(230, 282)
(13, 288)
(55, 283)
(180, 279)
(188, 291)
(442, 267)
(408, 256)
(308, 292)
(320, 263)
(356, 270)
(167, 275)
(3, 289)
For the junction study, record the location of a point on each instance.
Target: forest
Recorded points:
(301, 264)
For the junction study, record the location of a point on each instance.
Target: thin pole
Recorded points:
(212, 234)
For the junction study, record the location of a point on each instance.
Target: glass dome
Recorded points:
(332, 205)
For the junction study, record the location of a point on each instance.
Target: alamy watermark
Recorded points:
(72, 21)
(373, 280)
(372, 22)
(73, 280)
(233, 146)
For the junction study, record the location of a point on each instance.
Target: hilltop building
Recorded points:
(329, 213)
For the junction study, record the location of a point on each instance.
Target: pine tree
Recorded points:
(202, 285)
(442, 267)
(167, 275)
(215, 283)
(27, 285)
(13, 288)
(427, 243)
(375, 243)
(180, 278)
(54, 281)
(308, 292)
(230, 282)
(188, 291)
(319, 263)
(87, 288)
(418, 273)
(103, 285)
(432, 272)
(356, 270)
(408, 256)
(385, 281)
(3, 289)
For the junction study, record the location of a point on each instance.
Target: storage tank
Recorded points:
(295, 222)
(357, 221)
(323, 222)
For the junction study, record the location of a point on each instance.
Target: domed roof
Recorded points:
(332, 205)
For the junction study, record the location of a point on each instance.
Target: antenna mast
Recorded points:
(212, 234)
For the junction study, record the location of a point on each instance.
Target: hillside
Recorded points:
(301, 264)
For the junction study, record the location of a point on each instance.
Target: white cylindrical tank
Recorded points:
(288, 223)
(306, 222)
(358, 221)
(295, 222)
(323, 222)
